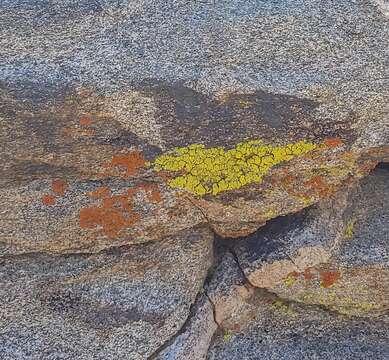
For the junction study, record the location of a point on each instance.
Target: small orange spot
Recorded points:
(333, 142)
(59, 187)
(85, 121)
(48, 200)
(99, 193)
(294, 274)
(328, 278)
(318, 185)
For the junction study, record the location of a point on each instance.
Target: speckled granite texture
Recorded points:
(105, 255)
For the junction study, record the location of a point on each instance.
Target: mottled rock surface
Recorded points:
(124, 303)
(102, 256)
(333, 254)
(294, 332)
(194, 340)
(89, 90)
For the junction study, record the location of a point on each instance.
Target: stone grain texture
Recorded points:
(91, 88)
(302, 333)
(334, 254)
(100, 258)
(193, 342)
(122, 304)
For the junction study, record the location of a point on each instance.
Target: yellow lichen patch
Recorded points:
(213, 170)
(349, 229)
(283, 307)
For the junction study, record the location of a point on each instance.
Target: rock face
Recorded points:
(333, 254)
(135, 136)
(301, 333)
(124, 303)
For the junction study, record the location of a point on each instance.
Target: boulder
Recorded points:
(124, 303)
(334, 254)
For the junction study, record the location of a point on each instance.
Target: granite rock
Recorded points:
(290, 332)
(336, 255)
(194, 339)
(123, 303)
(91, 90)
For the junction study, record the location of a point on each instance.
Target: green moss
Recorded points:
(214, 170)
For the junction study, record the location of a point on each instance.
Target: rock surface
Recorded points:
(106, 253)
(294, 332)
(124, 303)
(193, 342)
(89, 91)
(334, 254)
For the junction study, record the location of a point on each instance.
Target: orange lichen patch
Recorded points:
(328, 278)
(287, 180)
(130, 162)
(308, 273)
(318, 185)
(236, 327)
(333, 142)
(48, 200)
(59, 187)
(112, 215)
(85, 121)
(151, 191)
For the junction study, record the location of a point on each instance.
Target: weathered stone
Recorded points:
(124, 303)
(334, 254)
(90, 216)
(89, 90)
(193, 341)
(230, 293)
(92, 93)
(289, 331)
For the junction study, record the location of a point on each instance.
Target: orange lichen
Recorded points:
(333, 142)
(130, 162)
(115, 212)
(318, 185)
(59, 187)
(48, 200)
(85, 121)
(308, 273)
(112, 215)
(294, 274)
(328, 278)
(151, 191)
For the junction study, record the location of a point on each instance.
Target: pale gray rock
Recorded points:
(124, 303)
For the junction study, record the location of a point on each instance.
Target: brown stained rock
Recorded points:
(90, 216)
(235, 300)
(359, 291)
(86, 137)
(345, 268)
(276, 272)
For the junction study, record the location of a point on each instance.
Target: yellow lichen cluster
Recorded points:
(213, 170)
(349, 229)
